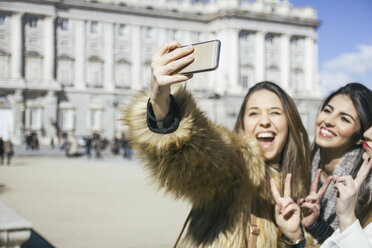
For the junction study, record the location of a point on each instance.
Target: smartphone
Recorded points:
(206, 57)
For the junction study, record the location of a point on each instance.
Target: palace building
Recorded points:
(69, 66)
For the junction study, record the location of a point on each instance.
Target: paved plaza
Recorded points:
(76, 202)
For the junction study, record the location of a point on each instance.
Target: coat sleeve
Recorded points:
(200, 161)
(353, 235)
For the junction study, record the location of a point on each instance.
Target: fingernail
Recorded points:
(189, 48)
(190, 57)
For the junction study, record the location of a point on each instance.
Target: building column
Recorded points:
(228, 72)
(309, 67)
(260, 56)
(49, 48)
(285, 61)
(80, 54)
(136, 57)
(16, 44)
(18, 109)
(108, 56)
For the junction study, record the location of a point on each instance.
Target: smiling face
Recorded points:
(337, 125)
(265, 120)
(367, 143)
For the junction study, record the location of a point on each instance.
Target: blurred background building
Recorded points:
(68, 66)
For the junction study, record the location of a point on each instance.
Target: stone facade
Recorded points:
(68, 66)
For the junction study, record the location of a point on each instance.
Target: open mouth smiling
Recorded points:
(266, 139)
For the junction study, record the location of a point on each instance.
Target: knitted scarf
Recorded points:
(344, 167)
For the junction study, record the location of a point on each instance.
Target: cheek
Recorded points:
(249, 125)
(347, 130)
(319, 119)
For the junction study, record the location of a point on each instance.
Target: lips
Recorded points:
(326, 133)
(366, 146)
(266, 139)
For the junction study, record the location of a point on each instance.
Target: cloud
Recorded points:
(348, 67)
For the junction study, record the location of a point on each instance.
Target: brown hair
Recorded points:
(295, 157)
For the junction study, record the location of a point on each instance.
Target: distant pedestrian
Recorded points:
(52, 145)
(8, 151)
(73, 149)
(1, 150)
(126, 146)
(88, 146)
(115, 146)
(97, 146)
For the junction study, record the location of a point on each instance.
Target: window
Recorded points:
(95, 74)
(34, 118)
(94, 119)
(297, 79)
(33, 68)
(67, 119)
(149, 33)
(65, 72)
(2, 18)
(4, 67)
(246, 36)
(271, 39)
(123, 75)
(173, 34)
(94, 27)
(123, 30)
(246, 77)
(33, 22)
(63, 23)
(273, 74)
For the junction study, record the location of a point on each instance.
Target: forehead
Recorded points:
(264, 99)
(343, 103)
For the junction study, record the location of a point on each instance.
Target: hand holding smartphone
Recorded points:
(206, 57)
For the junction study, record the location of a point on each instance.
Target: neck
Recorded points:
(330, 158)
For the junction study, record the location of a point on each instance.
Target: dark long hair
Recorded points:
(295, 157)
(361, 98)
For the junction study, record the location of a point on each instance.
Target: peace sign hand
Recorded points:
(348, 194)
(310, 206)
(287, 212)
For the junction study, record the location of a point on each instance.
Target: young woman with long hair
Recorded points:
(338, 153)
(223, 174)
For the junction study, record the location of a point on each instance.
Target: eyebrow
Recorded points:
(342, 113)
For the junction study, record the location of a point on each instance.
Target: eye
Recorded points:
(326, 110)
(344, 119)
(251, 114)
(275, 113)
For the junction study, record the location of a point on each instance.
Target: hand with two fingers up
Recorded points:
(287, 212)
(348, 189)
(310, 206)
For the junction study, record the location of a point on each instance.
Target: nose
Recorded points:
(329, 121)
(265, 121)
(368, 134)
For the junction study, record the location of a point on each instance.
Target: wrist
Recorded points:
(346, 221)
(160, 107)
(294, 238)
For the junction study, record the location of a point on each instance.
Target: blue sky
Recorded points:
(344, 41)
